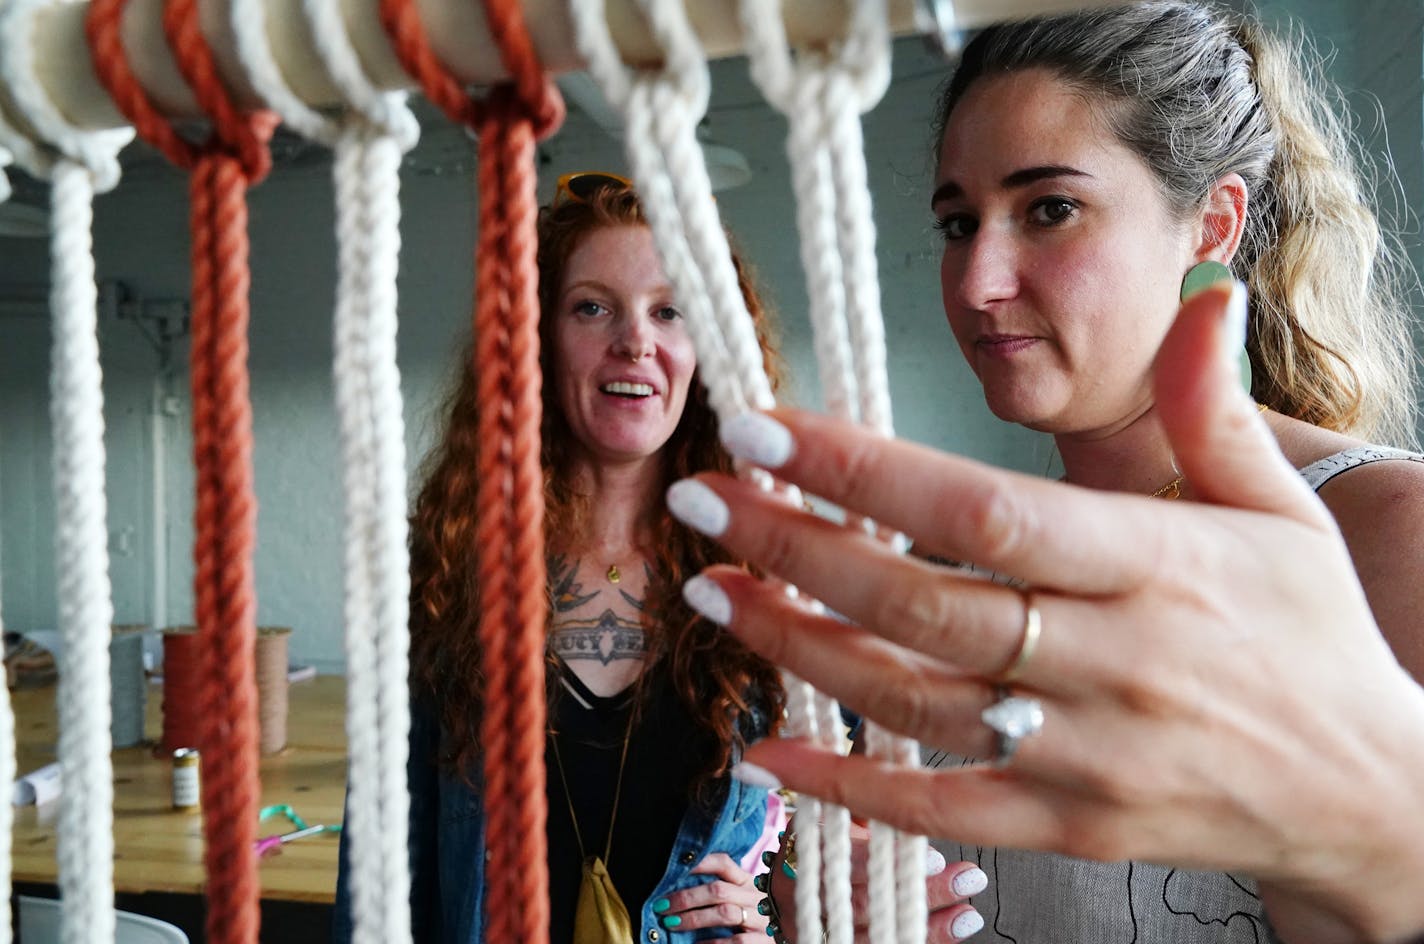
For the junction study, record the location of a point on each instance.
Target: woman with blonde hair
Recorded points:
(1094, 170)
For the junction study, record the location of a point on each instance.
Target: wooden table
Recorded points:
(157, 849)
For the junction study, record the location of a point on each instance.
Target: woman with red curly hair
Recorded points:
(649, 704)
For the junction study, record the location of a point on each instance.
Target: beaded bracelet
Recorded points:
(767, 907)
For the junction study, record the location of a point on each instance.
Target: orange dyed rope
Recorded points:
(235, 157)
(510, 495)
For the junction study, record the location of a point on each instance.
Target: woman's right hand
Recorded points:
(947, 892)
(1215, 691)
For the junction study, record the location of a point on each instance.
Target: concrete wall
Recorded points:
(141, 239)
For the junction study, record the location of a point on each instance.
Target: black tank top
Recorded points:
(665, 751)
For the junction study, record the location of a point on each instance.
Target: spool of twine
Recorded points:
(181, 684)
(127, 685)
(272, 687)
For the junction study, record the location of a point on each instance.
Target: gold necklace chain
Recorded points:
(1172, 489)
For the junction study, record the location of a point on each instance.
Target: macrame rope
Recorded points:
(7, 713)
(661, 109)
(510, 564)
(86, 844)
(7, 726)
(369, 139)
(822, 94)
(78, 164)
(233, 158)
(5, 161)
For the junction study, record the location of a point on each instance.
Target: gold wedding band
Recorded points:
(1032, 629)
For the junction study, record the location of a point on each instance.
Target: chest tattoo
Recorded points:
(565, 590)
(606, 637)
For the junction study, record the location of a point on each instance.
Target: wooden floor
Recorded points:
(158, 850)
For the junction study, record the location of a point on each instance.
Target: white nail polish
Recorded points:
(758, 439)
(1234, 321)
(970, 882)
(704, 596)
(754, 776)
(697, 506)
(934, 861)
(966, 925)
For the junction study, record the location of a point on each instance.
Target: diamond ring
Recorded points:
(1012, 718)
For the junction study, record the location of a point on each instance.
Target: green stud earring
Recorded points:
(1204, 275)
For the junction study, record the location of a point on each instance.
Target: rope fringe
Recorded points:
(510, 565)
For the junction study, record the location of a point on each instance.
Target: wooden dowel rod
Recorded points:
(457, 32)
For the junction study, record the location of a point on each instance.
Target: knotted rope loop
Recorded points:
(111, 66)
(243, 136)
(537, 97)
(386, 112)
(368, 139)
(401, 20)
(27, 153)
(684, 68)
(510, 564)
(254, 50)
(75, 163)
(861, 58)
(96, 151)
(234, 156)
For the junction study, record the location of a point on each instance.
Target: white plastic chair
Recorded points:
(39, 924)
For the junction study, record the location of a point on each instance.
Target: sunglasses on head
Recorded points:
(580, 186)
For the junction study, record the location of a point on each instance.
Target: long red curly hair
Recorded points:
(720, 681)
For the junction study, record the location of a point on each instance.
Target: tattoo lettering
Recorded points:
(606, 638)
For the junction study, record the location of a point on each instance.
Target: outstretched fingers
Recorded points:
(906, 691)
(943, 612)
(977, 805)
(1041, 532)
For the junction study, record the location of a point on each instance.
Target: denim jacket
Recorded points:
(447, 853)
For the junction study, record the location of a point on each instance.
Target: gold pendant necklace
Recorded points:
(1172, 489)
(613, 575)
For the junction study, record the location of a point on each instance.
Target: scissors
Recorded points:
(269, 844)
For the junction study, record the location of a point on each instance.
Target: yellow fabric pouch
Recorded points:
(600, 917)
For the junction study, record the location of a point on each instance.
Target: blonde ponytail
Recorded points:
(1330, 341)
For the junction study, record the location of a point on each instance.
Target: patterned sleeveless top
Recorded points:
(1043, 898)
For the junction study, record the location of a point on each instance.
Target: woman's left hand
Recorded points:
(728, 902)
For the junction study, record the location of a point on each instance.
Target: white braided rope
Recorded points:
(7, 739)
(86, 842)
(5, 161)
(822, 94)
(661, 110)
(78, 164)
(52, 134)
(802, 721)
(368, 142)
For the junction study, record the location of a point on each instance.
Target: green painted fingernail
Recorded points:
(671, 921)
(662, 904)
